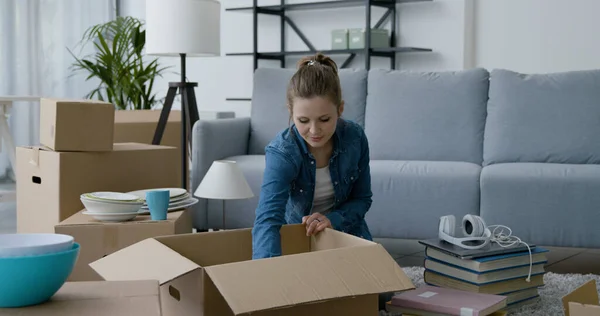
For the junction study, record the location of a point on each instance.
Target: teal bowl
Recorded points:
(32, 280)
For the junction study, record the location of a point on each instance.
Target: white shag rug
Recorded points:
(555, 287)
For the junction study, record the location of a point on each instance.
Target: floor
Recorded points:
(405, 252)
(560, 259)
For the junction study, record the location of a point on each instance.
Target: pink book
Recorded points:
(449, 301)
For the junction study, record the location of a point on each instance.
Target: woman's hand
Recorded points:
(315, 223)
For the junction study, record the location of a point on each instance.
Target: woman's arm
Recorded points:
(270, 213)
(351, 212)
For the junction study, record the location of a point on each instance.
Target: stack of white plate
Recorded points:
(178, 199)
(111, 206)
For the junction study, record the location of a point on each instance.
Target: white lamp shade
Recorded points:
(224, 181)
(191, 27)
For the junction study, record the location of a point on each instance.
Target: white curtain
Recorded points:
(34, 60)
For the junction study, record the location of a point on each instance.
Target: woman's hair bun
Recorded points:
(318, 58)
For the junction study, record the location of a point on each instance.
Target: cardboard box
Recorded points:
(212, 273)
(76, 125)
(133, 298)
(380, 38)
(49, 183)
(339, 39)
(99, 239)
(138, 126)
(583, 301)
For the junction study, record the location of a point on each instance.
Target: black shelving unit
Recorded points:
(367, 52)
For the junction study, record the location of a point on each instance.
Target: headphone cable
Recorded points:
(508, 240)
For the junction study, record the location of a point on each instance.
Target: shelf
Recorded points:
(321, 5)
(282, 9)
(377, 51)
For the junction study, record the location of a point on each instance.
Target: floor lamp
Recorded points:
(182, 28)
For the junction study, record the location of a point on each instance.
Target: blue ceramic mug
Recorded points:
(158, 203)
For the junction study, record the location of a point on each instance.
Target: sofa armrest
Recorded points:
(213, 140)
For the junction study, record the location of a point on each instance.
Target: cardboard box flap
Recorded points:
(577, 309)
(587, 294)
(148, 259)
(302, 278)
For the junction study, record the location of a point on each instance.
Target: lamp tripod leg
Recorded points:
(164, 115)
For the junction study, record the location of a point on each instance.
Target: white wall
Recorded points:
(439, 25)
(537, 35)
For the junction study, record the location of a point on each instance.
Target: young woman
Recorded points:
(317, 170)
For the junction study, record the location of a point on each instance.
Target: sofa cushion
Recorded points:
(544, 203)
(409, 197)
(543, 117)
(426, 116)
(269, 112)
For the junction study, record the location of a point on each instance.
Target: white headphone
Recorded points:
(475, 230)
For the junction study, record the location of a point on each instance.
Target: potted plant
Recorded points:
(126, 79)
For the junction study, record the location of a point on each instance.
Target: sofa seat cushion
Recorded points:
(547, 204)
(427, 115)
(240, 213)
(551, 118)
(409, 197)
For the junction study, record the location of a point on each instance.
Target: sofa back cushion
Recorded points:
(269, 113)
(438, 116)
(553, 118)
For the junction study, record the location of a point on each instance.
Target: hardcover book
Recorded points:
(449, 301)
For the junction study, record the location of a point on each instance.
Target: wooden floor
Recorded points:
(560, 259)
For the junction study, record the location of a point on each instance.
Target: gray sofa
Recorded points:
(519, 150)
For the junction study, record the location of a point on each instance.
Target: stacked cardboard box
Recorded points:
(77, 155)
(139, 126)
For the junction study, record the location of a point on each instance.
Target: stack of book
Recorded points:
(491, 270)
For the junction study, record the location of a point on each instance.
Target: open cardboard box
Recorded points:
(583, 301)
(98, 239)
(213, 273)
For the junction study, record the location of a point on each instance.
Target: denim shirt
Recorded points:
(288, 186)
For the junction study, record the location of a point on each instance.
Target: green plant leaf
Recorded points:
(126, 77)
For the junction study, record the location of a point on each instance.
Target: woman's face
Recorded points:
(316, 119)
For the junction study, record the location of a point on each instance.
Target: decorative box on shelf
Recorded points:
(380, 38)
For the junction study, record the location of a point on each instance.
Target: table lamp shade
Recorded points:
(190, 27)
(224, 180)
